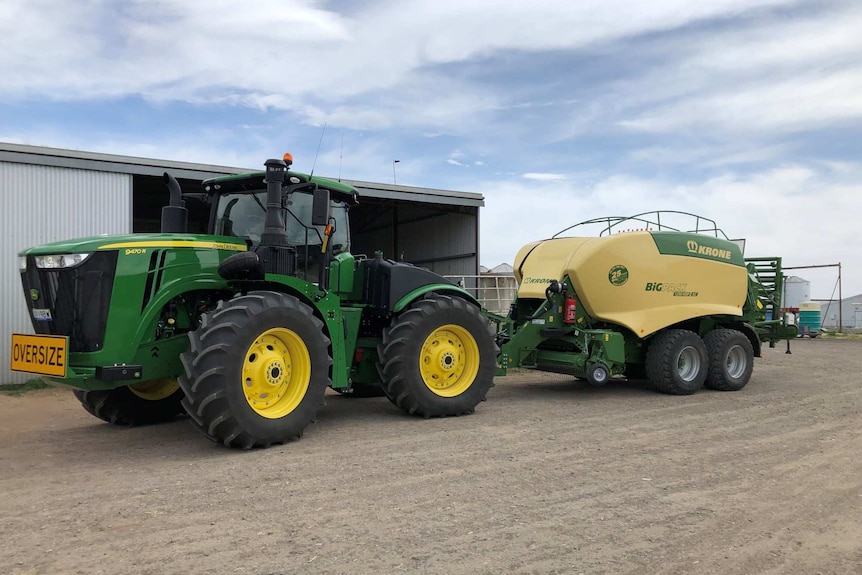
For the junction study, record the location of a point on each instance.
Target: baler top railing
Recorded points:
(653, 222)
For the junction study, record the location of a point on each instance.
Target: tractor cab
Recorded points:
(239, 209)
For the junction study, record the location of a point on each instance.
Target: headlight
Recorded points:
(22, 263)
(60, 261)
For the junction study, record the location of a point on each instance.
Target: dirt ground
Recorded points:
(549, 476)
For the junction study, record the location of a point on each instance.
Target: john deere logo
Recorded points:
(618, 275)
(34, 295)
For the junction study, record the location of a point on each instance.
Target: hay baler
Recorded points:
(677, 305)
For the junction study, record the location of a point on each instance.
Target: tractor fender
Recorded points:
(444, 288)
(391, 286)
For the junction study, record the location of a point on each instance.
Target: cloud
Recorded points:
(788, 211)
(756, 78)
(377, 67)
(744, 110)
(282, 53)
(543, 177)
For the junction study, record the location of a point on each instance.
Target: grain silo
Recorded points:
(796, 291)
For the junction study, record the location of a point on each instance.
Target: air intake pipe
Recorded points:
(275, 253)
(274, 233)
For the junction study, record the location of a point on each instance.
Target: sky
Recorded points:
(747, 112)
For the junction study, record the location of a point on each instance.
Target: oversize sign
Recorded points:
(41, 354)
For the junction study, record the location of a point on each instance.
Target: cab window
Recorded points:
(244, 215)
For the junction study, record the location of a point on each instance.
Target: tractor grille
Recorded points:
(77, 299)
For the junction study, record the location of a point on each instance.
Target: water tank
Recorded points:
(809, 318)
(796, 291)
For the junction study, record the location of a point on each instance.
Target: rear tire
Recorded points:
(438, 357)
(256, 370)
(676, 362)
(731, 359)
(154, 402)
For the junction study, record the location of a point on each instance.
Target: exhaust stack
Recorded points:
(175, 216)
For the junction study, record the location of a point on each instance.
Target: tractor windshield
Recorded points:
(243, 215)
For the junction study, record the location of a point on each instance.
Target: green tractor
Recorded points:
(245, 328)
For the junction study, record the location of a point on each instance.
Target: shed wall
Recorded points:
(445, 243)
(443, 239)
(46, 204)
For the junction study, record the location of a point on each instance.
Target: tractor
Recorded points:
(646, 297)
(245, 327)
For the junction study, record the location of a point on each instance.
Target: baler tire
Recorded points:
(120, 406)
(597, 374)
(676, 362)
(438, 357)
(731, 359)
(249, 349)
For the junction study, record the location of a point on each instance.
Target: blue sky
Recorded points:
(748, 112)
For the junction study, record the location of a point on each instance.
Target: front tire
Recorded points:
(676, 362)
(256, 371)
(438, 357)
(731, 359)
(138, 404)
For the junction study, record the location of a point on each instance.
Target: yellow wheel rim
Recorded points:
(155, 389)
(449, 360)
(276, 372)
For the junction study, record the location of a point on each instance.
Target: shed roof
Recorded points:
(59, 157)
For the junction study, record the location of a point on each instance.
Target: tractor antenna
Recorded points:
(318, 149)
(340, 155)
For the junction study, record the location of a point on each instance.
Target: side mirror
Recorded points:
(320, 207)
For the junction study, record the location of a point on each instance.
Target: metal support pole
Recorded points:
(840, 302)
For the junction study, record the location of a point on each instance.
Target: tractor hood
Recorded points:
(137, 242)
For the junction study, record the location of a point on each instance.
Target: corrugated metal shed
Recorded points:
(851, 313)
(46, 204)
(55, 194)
(42, 156)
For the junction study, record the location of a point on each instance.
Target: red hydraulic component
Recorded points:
(570, 310)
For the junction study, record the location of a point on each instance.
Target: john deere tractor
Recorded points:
(245, 328)
(645, 297)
